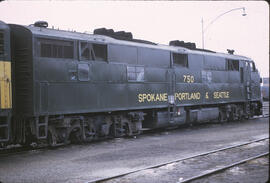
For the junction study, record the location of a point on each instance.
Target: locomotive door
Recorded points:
(247, 80)
(171, 90)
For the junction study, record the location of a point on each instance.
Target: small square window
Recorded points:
(233, 65)
(135, 73)
(180, 60)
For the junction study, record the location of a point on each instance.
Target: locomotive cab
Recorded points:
(5, 83)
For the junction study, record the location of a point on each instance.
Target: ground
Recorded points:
(82, 163)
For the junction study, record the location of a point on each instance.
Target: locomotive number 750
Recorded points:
(188, 78)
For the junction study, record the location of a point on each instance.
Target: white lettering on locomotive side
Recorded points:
(188, 96)
(163, 97)
(188, 78)
(222, 94)
(181, 96)
(153, 97)
(206, 95)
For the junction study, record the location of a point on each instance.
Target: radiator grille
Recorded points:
(23, 79)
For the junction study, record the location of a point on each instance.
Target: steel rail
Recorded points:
(174, 161)
(222, 168)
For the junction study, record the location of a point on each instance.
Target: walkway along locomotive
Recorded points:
(58, 86)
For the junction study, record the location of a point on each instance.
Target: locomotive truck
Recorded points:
(59, 86)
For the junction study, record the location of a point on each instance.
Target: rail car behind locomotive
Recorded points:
(75, 86)
(5, 83)
(265, 89)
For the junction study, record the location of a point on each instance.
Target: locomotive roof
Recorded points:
(3, 25)
(109, 40)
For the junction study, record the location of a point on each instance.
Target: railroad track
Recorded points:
(213, 171)
(217, 170)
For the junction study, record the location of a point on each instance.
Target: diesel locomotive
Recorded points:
(59, 86)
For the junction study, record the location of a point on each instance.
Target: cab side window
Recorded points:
(93, 51)
(180, 60)
(232, 65)
(135, 73)
(55, 48)
(252, 67)
(100, 52)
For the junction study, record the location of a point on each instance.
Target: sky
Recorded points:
(159, 22)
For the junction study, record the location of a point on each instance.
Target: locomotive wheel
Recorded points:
(127, 129)
(240, 113)
(29, 138)
(51, 139)
(221, 117)
(227, 116)
(76, 136)
(90, 132)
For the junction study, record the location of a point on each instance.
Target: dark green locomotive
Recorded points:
(76, 86)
